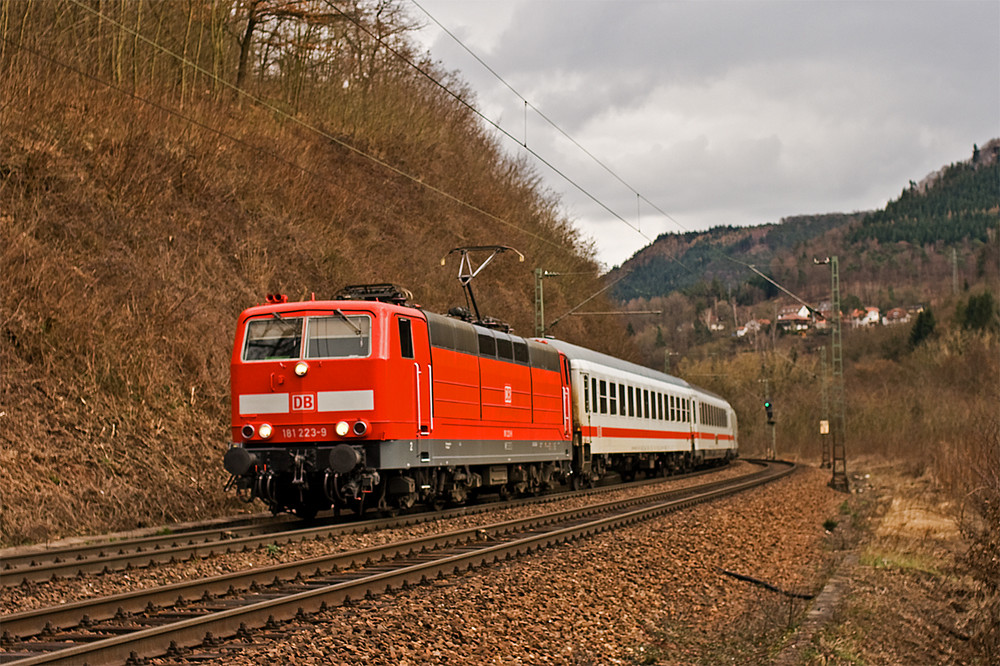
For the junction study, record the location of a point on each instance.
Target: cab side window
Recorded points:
(405, 338)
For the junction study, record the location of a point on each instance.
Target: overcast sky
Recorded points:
(727, 112)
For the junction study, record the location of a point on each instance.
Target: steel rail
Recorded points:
(33, 622)
(97, 558)
(156, 640)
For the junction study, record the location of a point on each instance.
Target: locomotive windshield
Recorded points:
(340, 336)
(343, 336)
(273, 339)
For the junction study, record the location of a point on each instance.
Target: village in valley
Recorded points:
(802, 319)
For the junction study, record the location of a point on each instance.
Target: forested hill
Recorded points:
(676, 262)
(957, 203)
(954, 207)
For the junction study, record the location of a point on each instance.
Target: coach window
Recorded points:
(612, 398)
(621, 399)
(645, 403)
(405, 338)
(673, 409)
(604, 397)
(631, 401)
(586, 395)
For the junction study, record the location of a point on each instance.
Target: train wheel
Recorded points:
(577, 483)
(306, 511)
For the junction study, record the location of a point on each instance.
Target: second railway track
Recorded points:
(170, 618)
(101, 555)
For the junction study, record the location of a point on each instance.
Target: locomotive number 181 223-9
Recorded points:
(303, 433)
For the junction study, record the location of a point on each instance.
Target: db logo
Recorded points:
(507, 395)
(303, 402)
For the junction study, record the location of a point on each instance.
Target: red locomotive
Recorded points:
(367, 401)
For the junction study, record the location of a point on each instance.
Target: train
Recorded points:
(369, 402)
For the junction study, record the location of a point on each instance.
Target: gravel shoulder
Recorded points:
(655, 593)
(649, 594)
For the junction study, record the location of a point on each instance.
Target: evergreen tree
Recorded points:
(980, 312)
(922, 329)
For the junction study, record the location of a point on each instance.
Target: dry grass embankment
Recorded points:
(143, 206)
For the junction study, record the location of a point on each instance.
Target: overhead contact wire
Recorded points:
(551, 122)
(487, 119)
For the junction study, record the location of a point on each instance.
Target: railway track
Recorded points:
(102, 555)
(169, 619)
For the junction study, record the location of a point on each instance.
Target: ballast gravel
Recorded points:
(649, 594)
(33, 595)
(653, 593)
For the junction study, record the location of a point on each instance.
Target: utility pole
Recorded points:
(540, 273)
(954, 271)
(824, 424)
(839, 430)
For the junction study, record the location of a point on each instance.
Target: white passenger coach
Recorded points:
(631, 418)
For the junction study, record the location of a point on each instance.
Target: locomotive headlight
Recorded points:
(265, 431)
(301, 368)
(342, 428)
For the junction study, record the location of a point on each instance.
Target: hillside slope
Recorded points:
(144, 204)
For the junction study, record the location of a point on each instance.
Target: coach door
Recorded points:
(415, 351)
(566, 404)
(692, 424)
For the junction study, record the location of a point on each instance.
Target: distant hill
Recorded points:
(677, 262)
(955, 207)
(954, 204)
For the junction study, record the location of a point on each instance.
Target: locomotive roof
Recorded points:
(582, 353)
